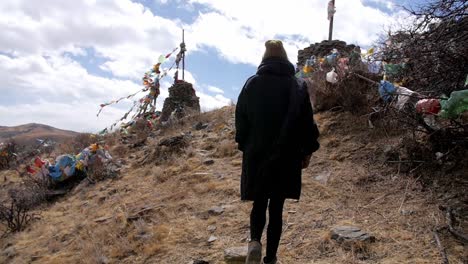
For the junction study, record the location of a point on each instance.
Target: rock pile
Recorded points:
(181, 101)
(322, 49)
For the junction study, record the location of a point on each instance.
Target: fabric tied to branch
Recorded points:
(456, 105)
(404, 95)
(428, 106)
(332, 76)
(386, 90)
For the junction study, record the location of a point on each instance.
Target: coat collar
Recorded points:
(275, 66)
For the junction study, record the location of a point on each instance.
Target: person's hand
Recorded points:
(306, 161)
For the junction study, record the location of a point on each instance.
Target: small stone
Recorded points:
(103, 260)
(212, 239)
(323, 177)
(211, 228)
(208, 162)
(198, 261)
(216, 210)
(406, 212)
(350, 234)
(235, 255)
(9, 252)
(200, 126)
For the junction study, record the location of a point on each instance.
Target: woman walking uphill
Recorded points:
(276, 132)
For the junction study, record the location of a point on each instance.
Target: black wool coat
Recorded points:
(275, 130)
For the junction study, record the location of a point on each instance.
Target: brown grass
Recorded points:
(171, 201)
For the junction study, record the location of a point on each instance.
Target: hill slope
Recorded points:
(158, 211)
(28, 133)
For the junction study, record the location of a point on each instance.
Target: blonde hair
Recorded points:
(274, 48)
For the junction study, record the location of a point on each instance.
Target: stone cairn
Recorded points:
(323, 49)
(182, 100)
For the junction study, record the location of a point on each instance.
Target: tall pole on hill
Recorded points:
(331, 11)
(183, 54)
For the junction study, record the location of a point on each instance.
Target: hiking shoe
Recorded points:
(271, 262)
(254, 253)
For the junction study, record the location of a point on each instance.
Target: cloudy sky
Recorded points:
(60, 59)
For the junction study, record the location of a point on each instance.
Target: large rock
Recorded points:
(235, 255)
(182, 100)
(350, 234)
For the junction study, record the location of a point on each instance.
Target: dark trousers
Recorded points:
(275, 225)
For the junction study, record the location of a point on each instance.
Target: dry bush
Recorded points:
(16, 213)
(179, 124)
(15, 216)
(92, 253)
(99, 170)
(350, 94)
(166, 150)
(119, 151)
(435, 42)
(112, 139)
(226, 148)
(141, 130)
(7, 157)
(82, 141)
(78, 143)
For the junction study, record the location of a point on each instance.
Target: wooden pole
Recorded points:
(183, 56)
(330, 30)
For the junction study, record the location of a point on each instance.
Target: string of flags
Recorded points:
(146, 105)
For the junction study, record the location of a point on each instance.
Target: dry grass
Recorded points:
(158, 213)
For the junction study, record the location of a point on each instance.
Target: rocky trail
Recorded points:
(185, 207)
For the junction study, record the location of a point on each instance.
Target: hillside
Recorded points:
(169, 202)
(28, 133)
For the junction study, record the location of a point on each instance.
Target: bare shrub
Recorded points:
(96, 170)
(78, 143)
(350, 94)
(99, 170)
(7, 156)
(436, 42)
(111, 139)
(120, 151)
(227, 148)
(83, 140)
(167, 149)
(15, 214)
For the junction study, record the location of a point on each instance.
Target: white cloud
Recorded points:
(239, 28)
(215, 89)
(209, 103)
(387, 3)
(58, 91)
(125, 33)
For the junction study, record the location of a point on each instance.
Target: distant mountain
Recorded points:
(28, 133)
